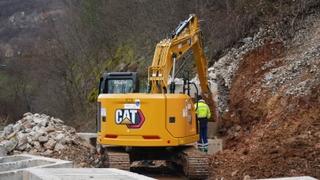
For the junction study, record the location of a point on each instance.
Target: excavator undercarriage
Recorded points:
(192, 162)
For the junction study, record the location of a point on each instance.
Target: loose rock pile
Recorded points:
(38, 134)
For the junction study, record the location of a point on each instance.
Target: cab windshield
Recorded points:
(120, 86)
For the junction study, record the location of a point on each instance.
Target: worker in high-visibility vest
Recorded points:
(203, 115)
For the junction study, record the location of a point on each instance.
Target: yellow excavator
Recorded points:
(160, 124)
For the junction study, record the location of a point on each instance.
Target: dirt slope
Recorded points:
(274, 107)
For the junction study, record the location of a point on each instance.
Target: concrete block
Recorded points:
(81, 174)
(215, 145)
(90, 138)
(212, 129)
(12, 167)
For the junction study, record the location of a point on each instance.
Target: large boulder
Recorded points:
(8, 130)
(43, 139)
(50, 144)
(10, 145)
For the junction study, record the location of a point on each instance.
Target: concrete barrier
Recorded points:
(12, 167)
(81, 173)
(292, 178)
(215, 145)
(212, 129)
(90, 138)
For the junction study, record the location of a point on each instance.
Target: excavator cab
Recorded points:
(119, 82)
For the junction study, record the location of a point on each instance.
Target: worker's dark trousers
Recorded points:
(203, 127)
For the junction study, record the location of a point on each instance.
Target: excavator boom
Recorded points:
(187, 36)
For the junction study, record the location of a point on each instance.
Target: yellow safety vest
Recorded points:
(203, 110)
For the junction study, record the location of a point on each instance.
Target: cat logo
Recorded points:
(133, 118)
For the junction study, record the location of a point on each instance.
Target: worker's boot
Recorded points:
(205, 149)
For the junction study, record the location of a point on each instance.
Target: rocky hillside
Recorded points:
(55, 50)
(24, 24)
(269, 93)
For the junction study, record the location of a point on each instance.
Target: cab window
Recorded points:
(120, 85)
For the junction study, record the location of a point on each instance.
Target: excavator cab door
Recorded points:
(119, 83)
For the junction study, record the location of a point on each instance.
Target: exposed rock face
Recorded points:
(24, 22)
(223, 72)
(270, 100)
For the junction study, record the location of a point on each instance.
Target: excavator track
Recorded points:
(195, 164)
(116, 159)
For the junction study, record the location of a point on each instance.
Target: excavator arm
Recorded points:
(187, 36)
